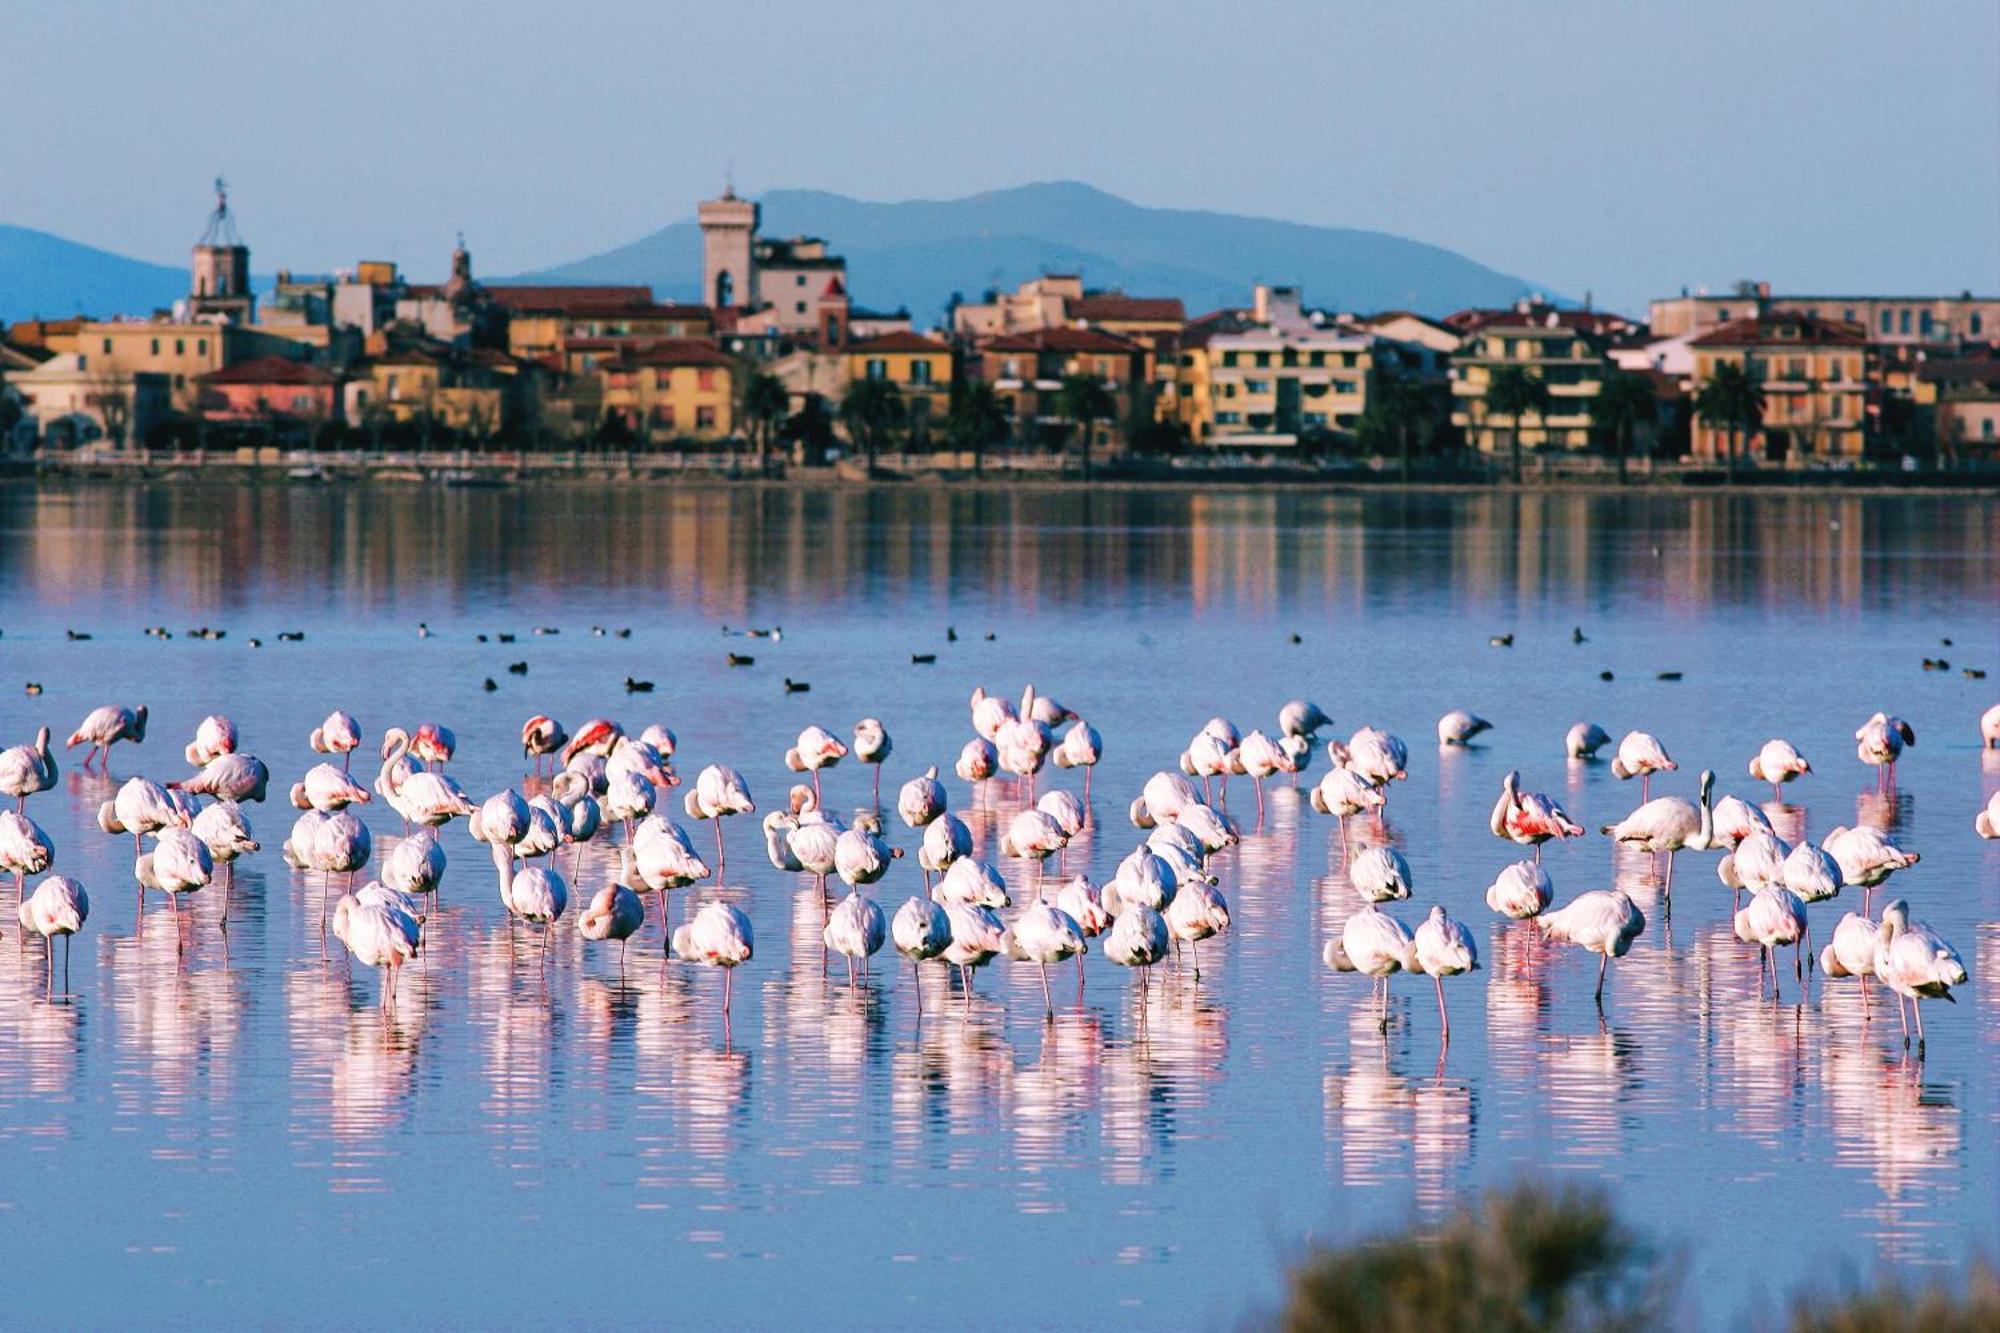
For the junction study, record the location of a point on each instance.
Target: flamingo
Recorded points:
(501, 821)
(1034, 836)
(977, 762)
(1138, 939)
(1085, 905)
(1343, 793)
(58, 906)
(1521, 890)
(628, 797)
(616, 912)
(327, 789)
(1024, 747)
(860, 856)
(228, 777)
(546, 822)
(662, 739)
(1604, 921)
(719, 792)
(416, 864)
(665, 860)
(921, 931)
(105, 727)
(1778, 763)
(1866, 857)
(538, 896)
(541, 737)
(596, 736)
(1584, 740)
(1163, 798)
(1067, 811)
(815, 749)
(341, 845)
(1987, 822)
(142, 806)
(582, 816)
(1197, 912)
(24, 850)
(1045, 934)
(27, 770)
(433, 745)
(1378, 757)
(225, 831)
(1045, 710)
(1207, 757)
(1081, 747)
(1376, 945)
(1851, 952)
(377, 894)
(1444, 949)
(377, 934)
(815, 844)
(1758, 862)
(340, 734)
(1811, 876)
(1773, 918)
(214, 736)
(719, 936)
(855, 931)
(973, 883)
(181, 864)
(1879, 741)
(1263, 757)
(1529, 818)
(990, 713)
(922, 799)
(1302, 718)
(1914, 961)
(1458, 728)
(1736, 819)
(1143, 879)
(872, 746)
(1989, 728)
(1640, 756)
(639, 759)
(1670, 824)
(1380, 874)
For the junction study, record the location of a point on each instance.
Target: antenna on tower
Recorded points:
(221, 226)
(729, 177)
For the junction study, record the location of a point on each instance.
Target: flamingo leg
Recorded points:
(718, 849)
(875, 800)
(1918, 1006)
(1603, 961)
(1443, 1017)
(917, 980)
(1048, 1004)
(728, 987)
(1194, 951)
(1258, 782)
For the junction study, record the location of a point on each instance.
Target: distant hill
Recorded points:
(918, 252)
(44, 276)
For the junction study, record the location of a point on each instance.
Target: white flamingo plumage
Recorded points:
(872, 747)
(1851, 951)
(538, 896)
(1033, 836)
(326, 789)
(815, 749)
(1989, 727)
(339, 734)
(978, 936)
(1529, 818)
(719, 792)
(104, 727)
(1916, 962)
(1198, 912)
(1772, 919)
(214, 736)
(26, 770)
(1444, 949)
(225, 830)
(1380, 874)
(1460, 728)
(1880, 741)
(378, 934)
(1866, 857)
(1584, 740)
(1670, 824)
(990, 712)
(855, 931)
(1521, 890)
(141, 806)
(1262, 758)
(416, 865)
(1604, 921)
(58, 906)
(1344, 793)
(719, 936)
(542, 738)
(1640, 755)
(922, 799)
(1376, 945)
(921, 931)
(1777, 763)
(1081, 747)
(24, 850)
(1044, 934)
(229, 777)
(971, 882)
(1987, 822)
(1139, 939)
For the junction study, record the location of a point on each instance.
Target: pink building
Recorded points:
(270, 388)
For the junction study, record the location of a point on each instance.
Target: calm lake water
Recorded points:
(241, 1135)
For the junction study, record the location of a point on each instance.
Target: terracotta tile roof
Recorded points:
(631, 302)
(270, 370)
(1390, 316)
(1962, 370)
(1782, 328)
(899, 341)
(1059, 340)
(1116, 306)
(679, 352)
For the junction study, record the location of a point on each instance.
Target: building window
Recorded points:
(180, 347)
(1228, 358)
(1011, 369)
(800, 280)
(664, 415)
(1256, 386)
(156, 347)
(1925, 323)
(798, 307)
(1316, 359)
(1228, 418)
(1848, 314)
(1723, 314)
(1903, 322)
(878, 369)
(1888, 322)
(201, 346)
(704, 418)
(920, 372)
(107, 347)
(1796, 368)
(704, 379)
(1263, 360)
(1975, 324)
(1834, 408)
(1289, 357)
(1347, 360)
(1986, 428)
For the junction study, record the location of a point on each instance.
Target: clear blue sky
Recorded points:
(1616, 148)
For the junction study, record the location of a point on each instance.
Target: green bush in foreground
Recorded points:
(1530, 1258)
(1525, 1259)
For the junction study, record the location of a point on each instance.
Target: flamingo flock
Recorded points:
(601, 782)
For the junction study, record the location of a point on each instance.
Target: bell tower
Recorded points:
(221, 267)
(728, 231)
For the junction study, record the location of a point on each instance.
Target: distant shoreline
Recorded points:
(490, 474)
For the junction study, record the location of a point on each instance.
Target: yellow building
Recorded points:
(477, 391)
(1811, 374)
(1267, 377)
(673, 390)
(181, 352)
(1571, 363)
(919, 367)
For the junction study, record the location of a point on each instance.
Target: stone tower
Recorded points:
(728, 231)
(221, 267)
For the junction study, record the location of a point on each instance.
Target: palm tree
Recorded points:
(869, 408)
(1083, 401)
(1622, 402)
(1406, 407)
(766, 403)
(1513, 392)
(977, 418)
(1732, 402)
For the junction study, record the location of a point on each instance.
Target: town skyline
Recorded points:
(1761, 165)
